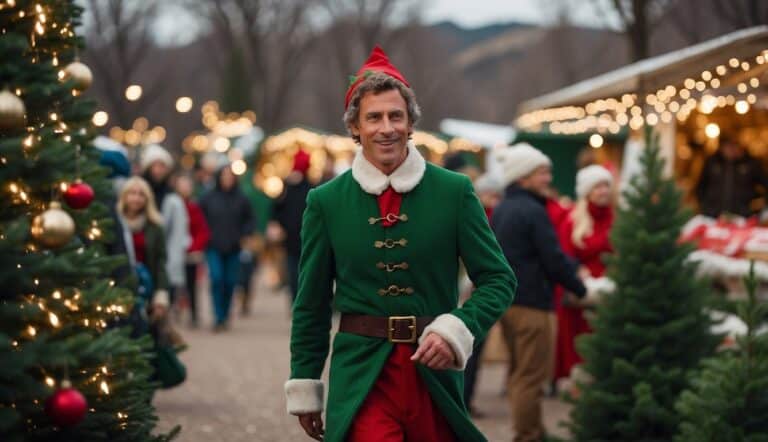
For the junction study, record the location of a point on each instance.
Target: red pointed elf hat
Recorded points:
(378, 61)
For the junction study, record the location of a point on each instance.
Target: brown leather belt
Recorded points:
(398, 329)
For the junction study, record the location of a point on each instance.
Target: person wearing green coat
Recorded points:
(381, 244)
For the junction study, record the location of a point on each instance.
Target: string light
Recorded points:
(104, 387)
(54, 319)
(712, 130)
(606, 114)
(742, 107)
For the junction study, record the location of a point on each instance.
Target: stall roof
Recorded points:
(655, 71)
(484, 134)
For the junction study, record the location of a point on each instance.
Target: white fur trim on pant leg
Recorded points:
(456, 333)
(304, 396)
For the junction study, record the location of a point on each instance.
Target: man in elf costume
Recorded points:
(389, 234)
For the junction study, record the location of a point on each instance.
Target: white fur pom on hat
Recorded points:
(155, 152)
(589, 177)
(519, 161)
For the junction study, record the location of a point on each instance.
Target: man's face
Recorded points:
(538, 181)
(227, 179)
(383, 128)
(732, 151)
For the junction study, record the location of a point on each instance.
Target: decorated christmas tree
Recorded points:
(68, 371)
(728, 398)
(653, 330)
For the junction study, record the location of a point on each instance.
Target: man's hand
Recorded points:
(312, 423)
(435, 353)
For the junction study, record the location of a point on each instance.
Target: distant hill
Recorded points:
(463, 38)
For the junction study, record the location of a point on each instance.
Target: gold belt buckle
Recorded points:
(391, 329)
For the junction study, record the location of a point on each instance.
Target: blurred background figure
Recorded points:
(115, 160)
(145, 246)
(488, 188)
(156, 168)
(199, 234)
(288, 211)
(230, 219)
(729, 181)
(585, 236)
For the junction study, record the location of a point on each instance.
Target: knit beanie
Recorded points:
(590, 176)
(519, 161)
(155, 152)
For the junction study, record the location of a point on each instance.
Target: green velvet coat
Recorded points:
(445, 222)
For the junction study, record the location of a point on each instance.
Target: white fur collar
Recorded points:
(403, 179)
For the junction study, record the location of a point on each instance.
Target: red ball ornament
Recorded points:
(67, 406)
(78, 195)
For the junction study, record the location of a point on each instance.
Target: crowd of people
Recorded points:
(174, 225)
(175, 228)
(557, 248)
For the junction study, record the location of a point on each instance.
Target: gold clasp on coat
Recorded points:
(391, 217)
(391, 267)
(394, 290)
(390, 243)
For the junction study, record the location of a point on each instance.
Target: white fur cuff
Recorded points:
(596, 289)
(304, 396)
(456, 333)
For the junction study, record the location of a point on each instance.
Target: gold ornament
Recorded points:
(80, 74)
(53, 228)
(11, 111)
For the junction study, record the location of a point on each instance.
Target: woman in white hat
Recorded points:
(584, 235)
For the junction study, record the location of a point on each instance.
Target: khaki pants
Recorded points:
(527, 332)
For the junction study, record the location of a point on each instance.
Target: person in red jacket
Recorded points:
(200, 234)
(584, 235)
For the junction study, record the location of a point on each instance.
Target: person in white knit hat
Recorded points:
(530, 244)
(585, 236)
(156, 167)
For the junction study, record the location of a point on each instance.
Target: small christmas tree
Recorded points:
(728, 398)
(67, 372)
(653, 330)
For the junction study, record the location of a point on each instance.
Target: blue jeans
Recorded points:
(224, 271)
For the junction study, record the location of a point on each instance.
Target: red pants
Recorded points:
(399, 407)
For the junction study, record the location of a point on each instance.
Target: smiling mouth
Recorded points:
(386, 142)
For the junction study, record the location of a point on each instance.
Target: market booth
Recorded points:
(333, 154)
(691, 97)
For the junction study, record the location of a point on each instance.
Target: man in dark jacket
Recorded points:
(289, 209)
(230, 219)
(530, 245)
(729, 181)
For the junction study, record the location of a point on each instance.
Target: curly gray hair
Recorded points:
(378, 82)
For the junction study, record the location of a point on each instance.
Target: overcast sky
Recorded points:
(176, 26)
(475, 13)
